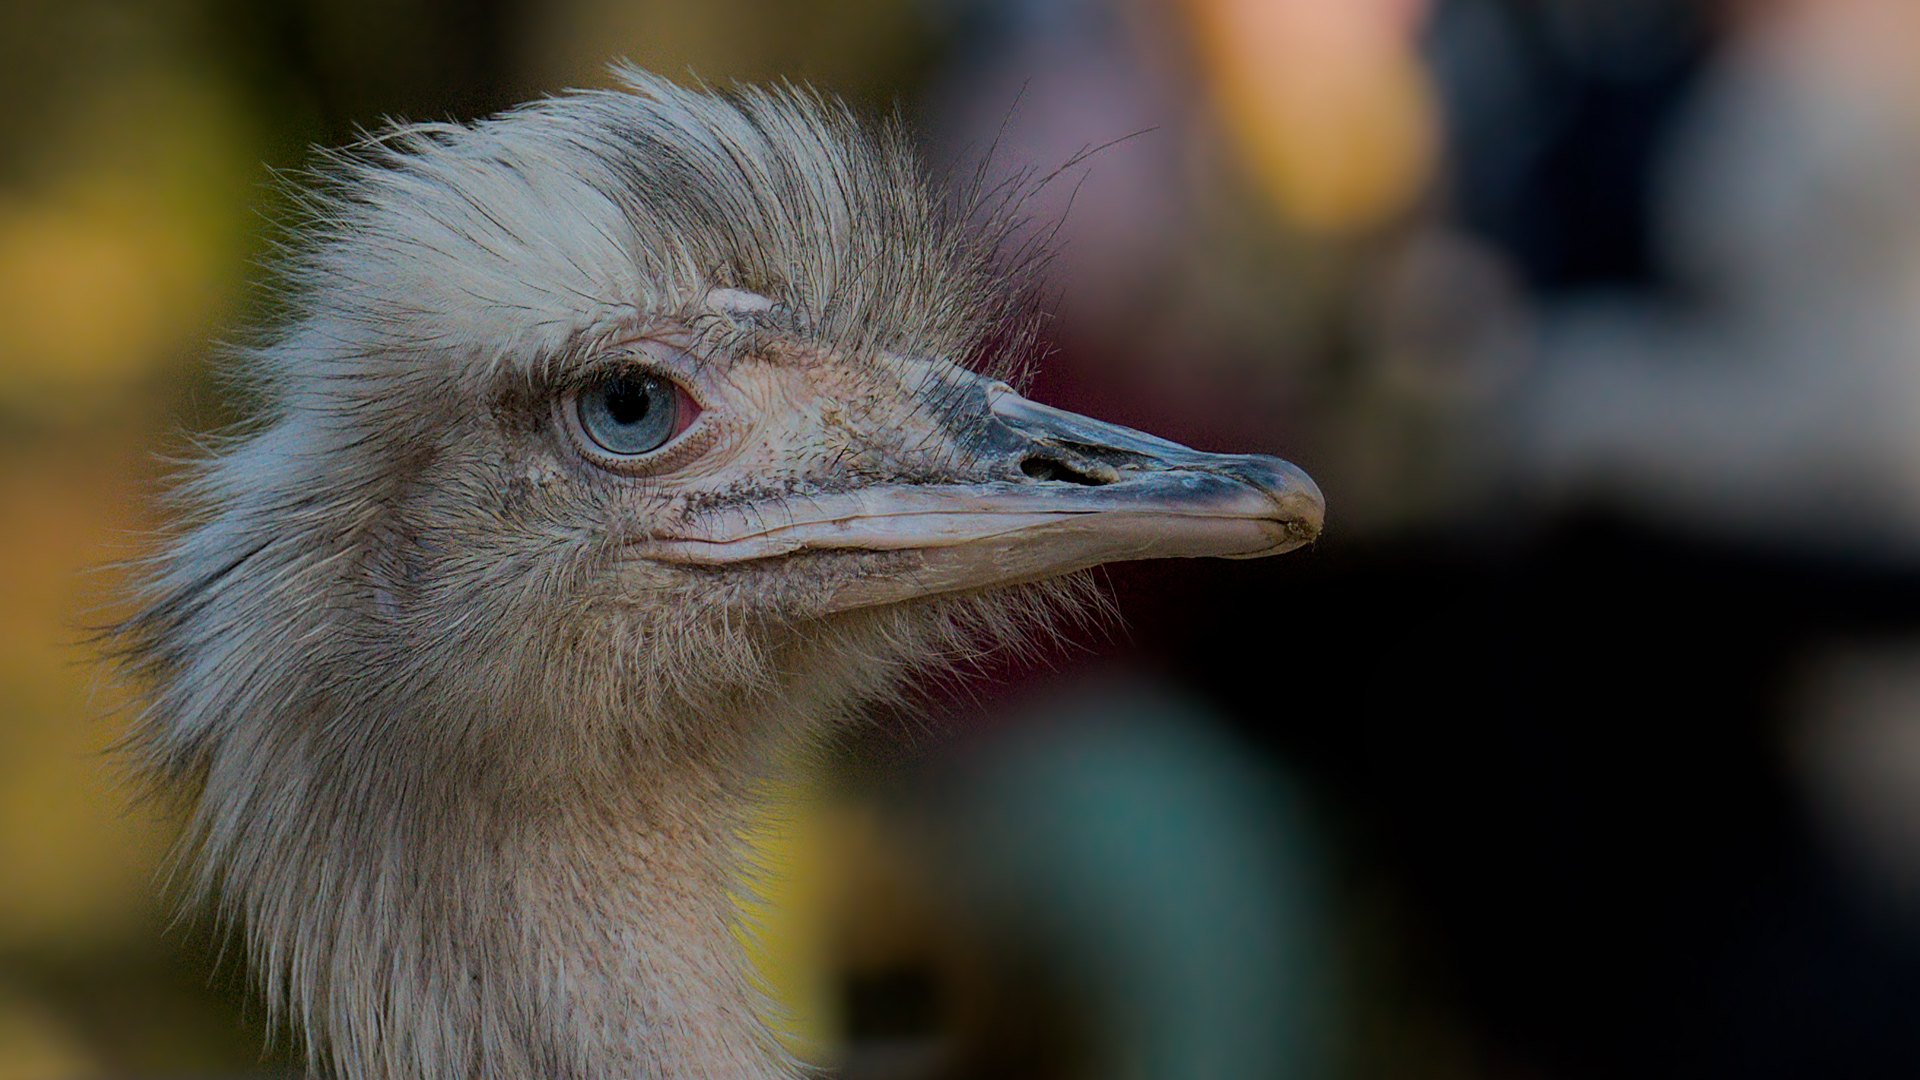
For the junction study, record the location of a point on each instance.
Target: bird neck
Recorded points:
(629, 922)
(585, 929)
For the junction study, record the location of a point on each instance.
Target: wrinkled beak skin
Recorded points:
(1047, 492)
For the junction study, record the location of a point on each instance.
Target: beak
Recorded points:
(1236, 506)
(1058, 492)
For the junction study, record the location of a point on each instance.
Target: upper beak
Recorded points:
(1118, 470)
(1058, 492)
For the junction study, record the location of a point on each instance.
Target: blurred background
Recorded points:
(1587, 743)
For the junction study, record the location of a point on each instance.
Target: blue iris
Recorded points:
(630, 414)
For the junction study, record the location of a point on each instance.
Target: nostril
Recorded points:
(1040, 469)
(1053, 470)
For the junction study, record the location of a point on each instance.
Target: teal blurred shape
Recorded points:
(1167, 870)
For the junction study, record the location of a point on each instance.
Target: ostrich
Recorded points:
(616, 448)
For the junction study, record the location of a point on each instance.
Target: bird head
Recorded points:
(631, 404)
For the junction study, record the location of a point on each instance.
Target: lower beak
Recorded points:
(1061, 492)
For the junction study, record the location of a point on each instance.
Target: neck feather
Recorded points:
(430, 924)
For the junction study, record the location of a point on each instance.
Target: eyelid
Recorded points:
(647, 356)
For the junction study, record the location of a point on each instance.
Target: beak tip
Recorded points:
(1302, 508)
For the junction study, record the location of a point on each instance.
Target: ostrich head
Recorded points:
(612, 447)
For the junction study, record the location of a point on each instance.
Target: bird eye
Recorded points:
(632, 414)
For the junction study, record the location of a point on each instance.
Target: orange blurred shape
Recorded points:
(81, 300)
(1326, 102)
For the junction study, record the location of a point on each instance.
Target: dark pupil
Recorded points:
(628, 402)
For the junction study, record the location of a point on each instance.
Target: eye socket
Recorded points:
(633, 413)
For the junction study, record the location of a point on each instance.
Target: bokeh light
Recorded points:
(1328, 104)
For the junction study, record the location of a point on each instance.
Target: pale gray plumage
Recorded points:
(468, 711)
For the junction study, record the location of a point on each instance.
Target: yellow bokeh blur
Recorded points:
(1326, 104)
(36, 1044)
(792, 850)
(79, 864)
(121, 259)
(124, 232)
